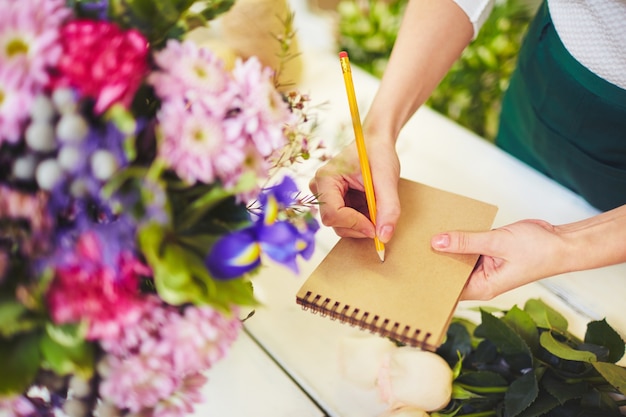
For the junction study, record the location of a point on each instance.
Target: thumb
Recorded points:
(388, 212)
(476, 243)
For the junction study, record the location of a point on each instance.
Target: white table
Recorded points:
(287, 363)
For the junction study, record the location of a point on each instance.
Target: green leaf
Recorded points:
(481, 379)
(523, 324)
(600, 400)
(14, 319)
(545, 316)
(509, 343)
(458, 341)
(180, 275)
(561, 390)
(64, 360)
(195, 211)
(20, 363)
(563, 350)
(236, 291)
(614, 375)
(601, 333)
(68, 335)
(521, 394)
(214, 8)
(459, 392)
(542, 405)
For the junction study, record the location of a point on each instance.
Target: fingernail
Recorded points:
(369, 233)
(385, 233)
(441, 241)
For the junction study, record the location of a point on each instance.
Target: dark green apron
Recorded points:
(564, 120)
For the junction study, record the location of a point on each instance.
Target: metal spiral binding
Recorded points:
(352, 316)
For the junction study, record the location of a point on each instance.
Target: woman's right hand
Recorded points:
(338, 186)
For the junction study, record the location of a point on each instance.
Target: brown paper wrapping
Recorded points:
(250, 27)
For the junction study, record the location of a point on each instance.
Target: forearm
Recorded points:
(595, 242)
(432, 36)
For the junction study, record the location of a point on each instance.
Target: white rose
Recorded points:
(416, 378)
(360, 358)
(405, 411)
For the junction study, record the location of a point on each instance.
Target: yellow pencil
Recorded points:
(360, 145)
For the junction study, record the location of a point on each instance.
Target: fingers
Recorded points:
(386, 174)
(387, 206)
(338, 210)
(477, 243)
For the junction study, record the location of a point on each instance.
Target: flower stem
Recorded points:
(480, 414)
(483, 390)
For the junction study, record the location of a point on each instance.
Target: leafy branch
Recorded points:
(525, 363)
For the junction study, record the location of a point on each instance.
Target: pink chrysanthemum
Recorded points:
(17, 406)
(87, 288)
(15, 101)
(191, 73)
(102, 62)
(29, 37)
(181, 402)
(137, 382)
(195, 144)
(156, 366)
(263, 113)
(199, 338)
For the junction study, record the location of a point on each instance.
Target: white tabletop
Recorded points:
(288, 364)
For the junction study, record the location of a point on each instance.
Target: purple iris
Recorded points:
(283, 241)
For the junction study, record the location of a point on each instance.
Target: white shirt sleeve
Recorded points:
(477, 11)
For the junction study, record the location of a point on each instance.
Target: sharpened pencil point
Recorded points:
(381, 255)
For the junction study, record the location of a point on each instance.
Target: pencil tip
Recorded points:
(381, 255)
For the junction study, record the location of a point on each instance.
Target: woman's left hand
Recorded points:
(511, 256)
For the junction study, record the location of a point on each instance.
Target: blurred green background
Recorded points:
(471, 93)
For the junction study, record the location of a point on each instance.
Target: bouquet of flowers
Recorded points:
(140, 190)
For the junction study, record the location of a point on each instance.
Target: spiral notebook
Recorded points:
(410, 297)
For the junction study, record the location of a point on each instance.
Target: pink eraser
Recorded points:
(343, 54)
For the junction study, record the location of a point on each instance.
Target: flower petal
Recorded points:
(233, 255)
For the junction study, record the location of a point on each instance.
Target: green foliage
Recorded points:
(180, 275)
(368, 30)
(158, 20)
(471, 93)
(527, 364)
(20, 362)
(65, 351)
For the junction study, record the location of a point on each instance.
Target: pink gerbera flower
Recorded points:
(191, 73)
(195, 144)
(29, 36)
(263, 113)
(15, 102)
(102, 61)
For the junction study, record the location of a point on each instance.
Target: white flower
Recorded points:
(360, 358)
(405, 411)
(417, 378)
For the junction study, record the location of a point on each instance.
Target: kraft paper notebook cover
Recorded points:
(410, 297)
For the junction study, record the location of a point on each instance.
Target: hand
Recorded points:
(339, 187)
(511, 256)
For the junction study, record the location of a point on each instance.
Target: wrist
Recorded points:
(381, 130)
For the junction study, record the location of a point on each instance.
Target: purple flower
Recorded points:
(283, 241)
